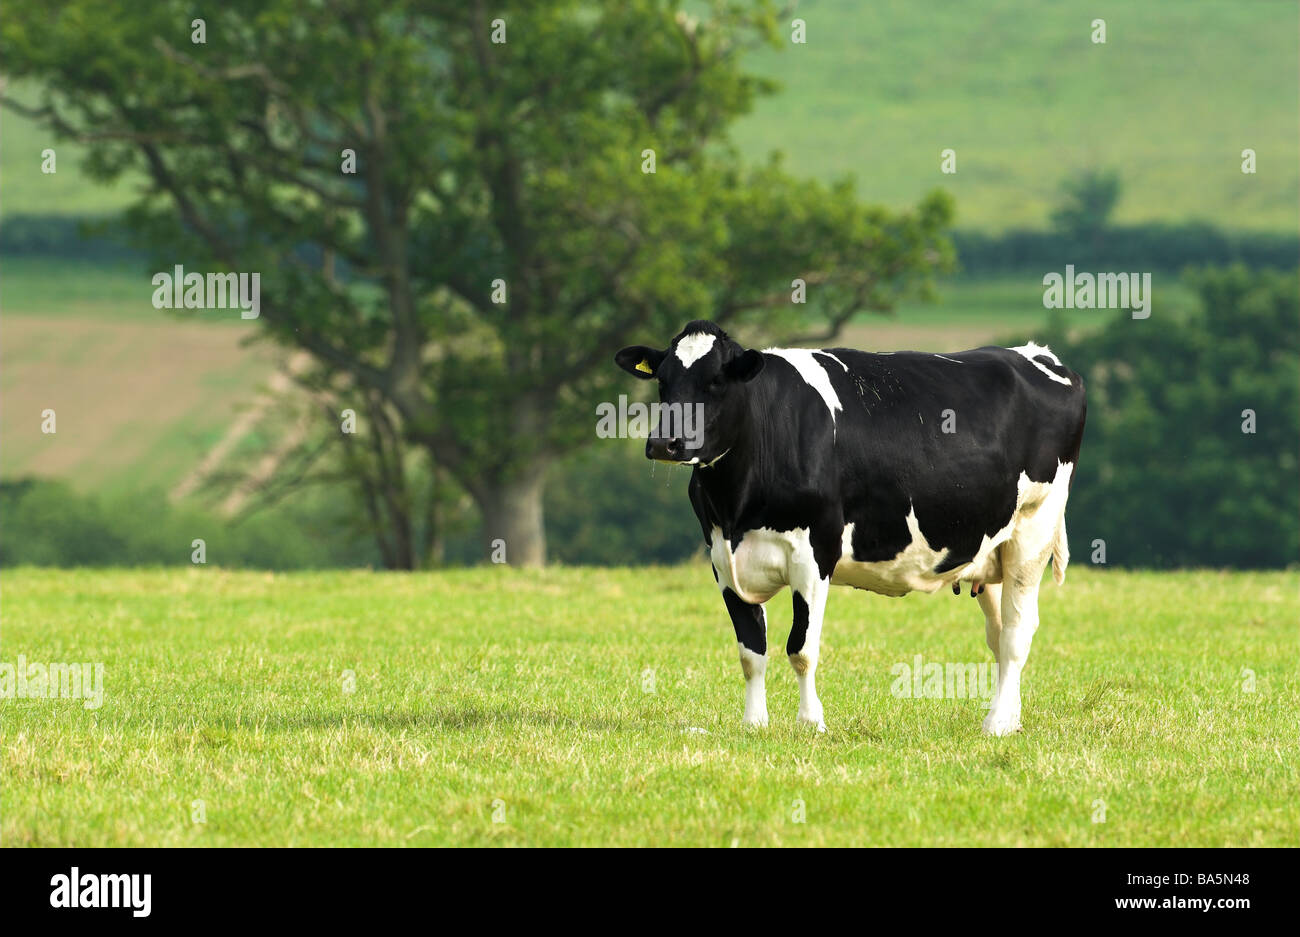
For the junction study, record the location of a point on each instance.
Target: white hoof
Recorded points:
(756, 721)
(813, 721)
(999, 724)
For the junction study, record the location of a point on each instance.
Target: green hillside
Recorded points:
(1022, 94)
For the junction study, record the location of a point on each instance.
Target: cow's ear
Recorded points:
(746, 367)
(639, 361)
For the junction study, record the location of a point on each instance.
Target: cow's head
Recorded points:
(702, 377)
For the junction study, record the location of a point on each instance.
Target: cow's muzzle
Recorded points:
(665, 449)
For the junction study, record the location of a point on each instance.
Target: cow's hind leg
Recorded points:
(750, 622)
(1023, 562)
(804, 645)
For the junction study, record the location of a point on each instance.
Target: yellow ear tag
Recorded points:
(645, 366)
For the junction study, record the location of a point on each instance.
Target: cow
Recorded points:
(891, 472)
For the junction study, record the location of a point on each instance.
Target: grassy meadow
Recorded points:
(1164, 705)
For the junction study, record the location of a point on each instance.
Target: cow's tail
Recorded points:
(1060, 553)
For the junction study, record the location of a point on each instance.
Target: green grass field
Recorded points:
(523, 694)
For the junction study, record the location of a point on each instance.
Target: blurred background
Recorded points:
(524, 160)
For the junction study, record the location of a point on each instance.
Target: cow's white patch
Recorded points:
(812, 371)
(1033, 351)
(827, 354)
(759, 567)
(691, 348)
(911, 570)
(1040, 511)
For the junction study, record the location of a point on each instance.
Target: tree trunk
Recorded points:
(512, 518)
(435, 543)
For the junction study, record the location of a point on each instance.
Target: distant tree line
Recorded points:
(1154, 246)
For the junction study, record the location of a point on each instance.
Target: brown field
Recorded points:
(137, 402)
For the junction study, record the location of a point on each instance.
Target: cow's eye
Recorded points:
(717, 383)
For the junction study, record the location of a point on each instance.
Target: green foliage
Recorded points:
(83, 238)
(1082, 234)
(1167, 476)
(609, 506)
(48, 523)
(1089, 199)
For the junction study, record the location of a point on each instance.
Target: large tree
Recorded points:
(502, 151)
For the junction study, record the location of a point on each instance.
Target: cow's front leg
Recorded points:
(750, 622)
(804, 644)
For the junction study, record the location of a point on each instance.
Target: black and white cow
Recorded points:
(891, 472)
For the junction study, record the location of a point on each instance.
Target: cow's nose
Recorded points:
(657, 447)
